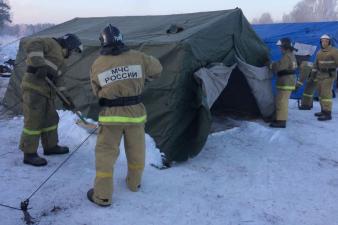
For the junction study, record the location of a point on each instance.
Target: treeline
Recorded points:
(18, 30)
(305, 11)
(21, 30)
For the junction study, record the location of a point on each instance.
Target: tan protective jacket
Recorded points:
(326, 59)
(43, 52)
(288, 62)
(123, 76)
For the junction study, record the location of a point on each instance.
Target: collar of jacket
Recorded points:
(286, 52)
(114, 49)
(328, 48)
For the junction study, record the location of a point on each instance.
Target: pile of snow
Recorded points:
(251, 174)
(8, 47)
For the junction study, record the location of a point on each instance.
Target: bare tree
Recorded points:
(4, 13)
(265, 18)
(313, 11)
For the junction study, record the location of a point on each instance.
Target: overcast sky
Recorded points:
(57, 11)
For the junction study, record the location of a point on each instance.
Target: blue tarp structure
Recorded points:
(306, 33)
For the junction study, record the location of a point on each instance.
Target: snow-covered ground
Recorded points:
(8, 47)
(250, 174)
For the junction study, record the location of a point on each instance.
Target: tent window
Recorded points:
(174, 29)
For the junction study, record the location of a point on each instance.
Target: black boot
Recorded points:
(90, 195)
(278, 124)
(319, 113)
(325, 116)
(57, 150)
(305, 107)
(34, 159)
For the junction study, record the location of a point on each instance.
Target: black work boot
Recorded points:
(278, 124)
(57, 150)
(318, 114)
(305, 107)
(90, 195)
(34, 159)
(325, 116)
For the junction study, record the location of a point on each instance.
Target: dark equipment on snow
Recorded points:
(5, 71)
(10, 62)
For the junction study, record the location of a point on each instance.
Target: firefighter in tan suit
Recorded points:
(45, 58)
(307, 75)
(285, 70)
(325, 68)
(117, 78)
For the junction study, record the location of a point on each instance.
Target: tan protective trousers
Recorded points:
(282, 101)
(107, 152)
(307, 97)
(40, 120)
(325, 92)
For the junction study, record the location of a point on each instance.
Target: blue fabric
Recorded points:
(306, 33)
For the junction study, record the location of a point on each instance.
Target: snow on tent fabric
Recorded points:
(179, 118)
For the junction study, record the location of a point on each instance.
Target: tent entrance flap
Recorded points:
(214, 80)
(259, 80)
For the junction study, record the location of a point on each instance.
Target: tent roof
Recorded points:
(138, 29)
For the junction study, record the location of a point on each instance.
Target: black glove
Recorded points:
(46, 71)
(70, 106)
(41, 72)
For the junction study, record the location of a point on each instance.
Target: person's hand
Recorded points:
(46, 71)
(42, 72)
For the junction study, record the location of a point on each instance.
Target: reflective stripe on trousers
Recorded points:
(38, 132)
(135, 166)
(306, 95)
(325, 99)
(285, 88)
(104, 174)
(122, 119)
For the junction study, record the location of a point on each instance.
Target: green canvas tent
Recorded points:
(179, 118)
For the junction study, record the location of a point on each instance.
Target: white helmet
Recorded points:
(325, 36)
